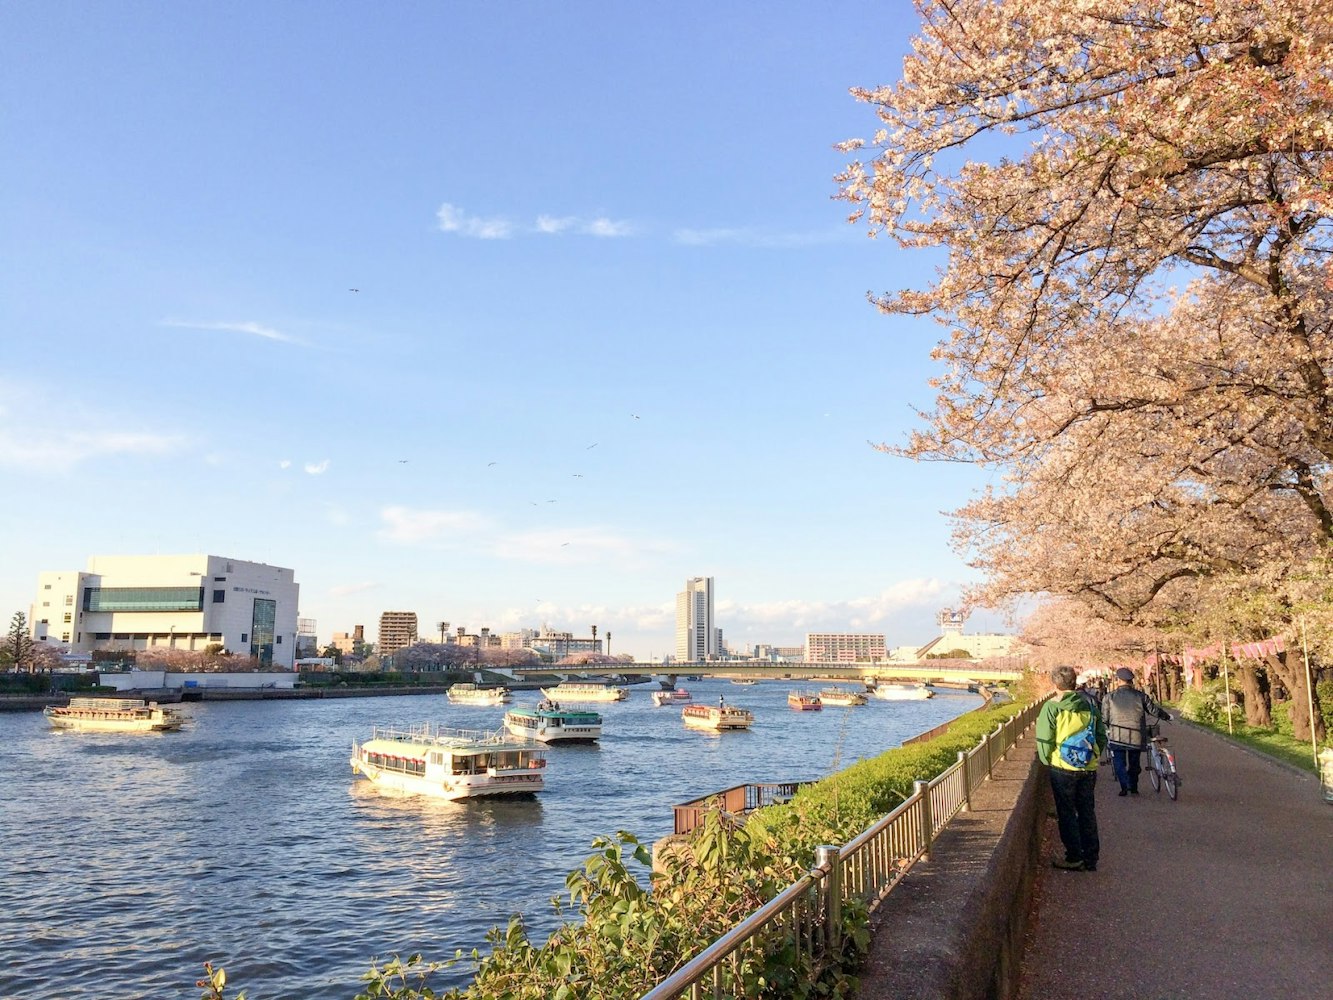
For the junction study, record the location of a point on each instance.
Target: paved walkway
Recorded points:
(1226, 892)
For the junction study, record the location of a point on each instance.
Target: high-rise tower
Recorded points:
(697, 637)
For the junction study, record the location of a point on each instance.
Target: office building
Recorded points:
(398, 630)
(186, 602)
(697, 635)
(844, 647)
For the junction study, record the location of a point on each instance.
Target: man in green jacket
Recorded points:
(1070, 738)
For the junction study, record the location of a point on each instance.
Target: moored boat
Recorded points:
(585, 691)
(475, 694)
(661, 698)
(114, 715)
(842, 697)
(902, 692)
(804, 702)
(449, 763)
(717, 717)
(549, 723)
(744, 681)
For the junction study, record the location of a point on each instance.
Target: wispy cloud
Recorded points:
(348, 589)
(757, 238)
(453, 219)
(405, 525)
(285, 463)
(45, 434)
(317, 468)
(252, 329)
(575, 545)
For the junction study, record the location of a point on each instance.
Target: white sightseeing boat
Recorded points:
(842, 697)
(474, 694)
(716, 718)
(585, 691)
(449, 763)
(661, 698)
(549, 723)
(902, 692)
(114, 715)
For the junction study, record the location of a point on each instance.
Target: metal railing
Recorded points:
(806, 916)
(737, 800)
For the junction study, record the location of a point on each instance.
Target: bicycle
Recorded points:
(1161, 765)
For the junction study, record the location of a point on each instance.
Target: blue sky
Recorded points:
(609, 327)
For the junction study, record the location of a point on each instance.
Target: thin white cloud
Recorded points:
(453, 219)
(253, 329)
(573, 545)
(43, 433)
(317, 468)
(285, 463)
(755, 237)
(551, 224)
(608, 228)
(405, 525)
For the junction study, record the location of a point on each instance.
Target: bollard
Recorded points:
(922, 789)
(1326, 772)
(827, 854)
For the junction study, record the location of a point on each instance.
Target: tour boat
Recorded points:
(716, 717)
(473, 694)
(804, 702)
(902, 692)
(744, 681)
(585, 691)
(449, 763)
(841, 697)
(661, 698)
(549, 723)
(114, 715)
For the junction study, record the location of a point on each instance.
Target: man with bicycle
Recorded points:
(1127, 711)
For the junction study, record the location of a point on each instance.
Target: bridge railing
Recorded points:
(807, 916)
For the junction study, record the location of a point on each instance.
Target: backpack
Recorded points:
(1076, 736)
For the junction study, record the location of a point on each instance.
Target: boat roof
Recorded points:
(429, 736)
(564, 713)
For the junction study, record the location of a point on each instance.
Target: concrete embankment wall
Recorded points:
(953, 929)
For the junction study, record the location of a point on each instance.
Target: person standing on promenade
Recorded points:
(1127, 713)
(1070, 738)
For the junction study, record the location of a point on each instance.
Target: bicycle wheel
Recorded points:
(1154, 774)
(1172, 782)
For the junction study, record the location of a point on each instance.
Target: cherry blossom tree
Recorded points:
(1137, 286)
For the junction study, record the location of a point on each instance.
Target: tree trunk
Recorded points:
(1254, 692)
(1292, 676)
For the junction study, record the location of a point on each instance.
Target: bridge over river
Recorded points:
(942, 671)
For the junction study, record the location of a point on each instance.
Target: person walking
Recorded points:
(1070, 738)
(1127, 712)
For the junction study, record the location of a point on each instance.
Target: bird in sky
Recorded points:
(635, 416)
(404, 461)
(354, 289)
(550, 501)
(563, 544)
(490, 463)
(578, 475)
(591, 446)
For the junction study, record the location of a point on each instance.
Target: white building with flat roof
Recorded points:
(182, 602)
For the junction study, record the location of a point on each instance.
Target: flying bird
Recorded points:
(591, 446)
(563, 544)
(635, 416)
(354, 289)
(404, 461)
(578, 475)
(490, 463)
(550, 501)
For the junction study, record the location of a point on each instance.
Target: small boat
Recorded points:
(585, 691)
(744, 681)
(902, 692)
(717, 717)
(114, 715)
(841, 697)
(549, 723)
(661, 698)
(449, 763)
(804, 702)
(474, 694)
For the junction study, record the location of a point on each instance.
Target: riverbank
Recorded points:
(36, 702)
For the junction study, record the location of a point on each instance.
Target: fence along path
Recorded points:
(806, 915)
(1227, 892)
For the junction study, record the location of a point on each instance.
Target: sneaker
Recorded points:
(1069, 866)
(1133, 791)
(1123, 791)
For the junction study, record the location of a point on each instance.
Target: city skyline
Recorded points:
(359, 330)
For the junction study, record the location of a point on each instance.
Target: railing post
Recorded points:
(967, 781)
(827, 854)
(922, 790)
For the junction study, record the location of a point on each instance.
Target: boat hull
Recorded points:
(904, 693)
(91, 715)
(714, 719)
(554, 727)
(453, 790)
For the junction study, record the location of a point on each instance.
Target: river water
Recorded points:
(245, 839)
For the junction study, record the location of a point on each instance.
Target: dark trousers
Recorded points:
(1126, 762)
(1076, 812)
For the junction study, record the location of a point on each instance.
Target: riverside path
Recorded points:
(1227, 892)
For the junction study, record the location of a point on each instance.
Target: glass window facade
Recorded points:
(122, 599)
(261, 630)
